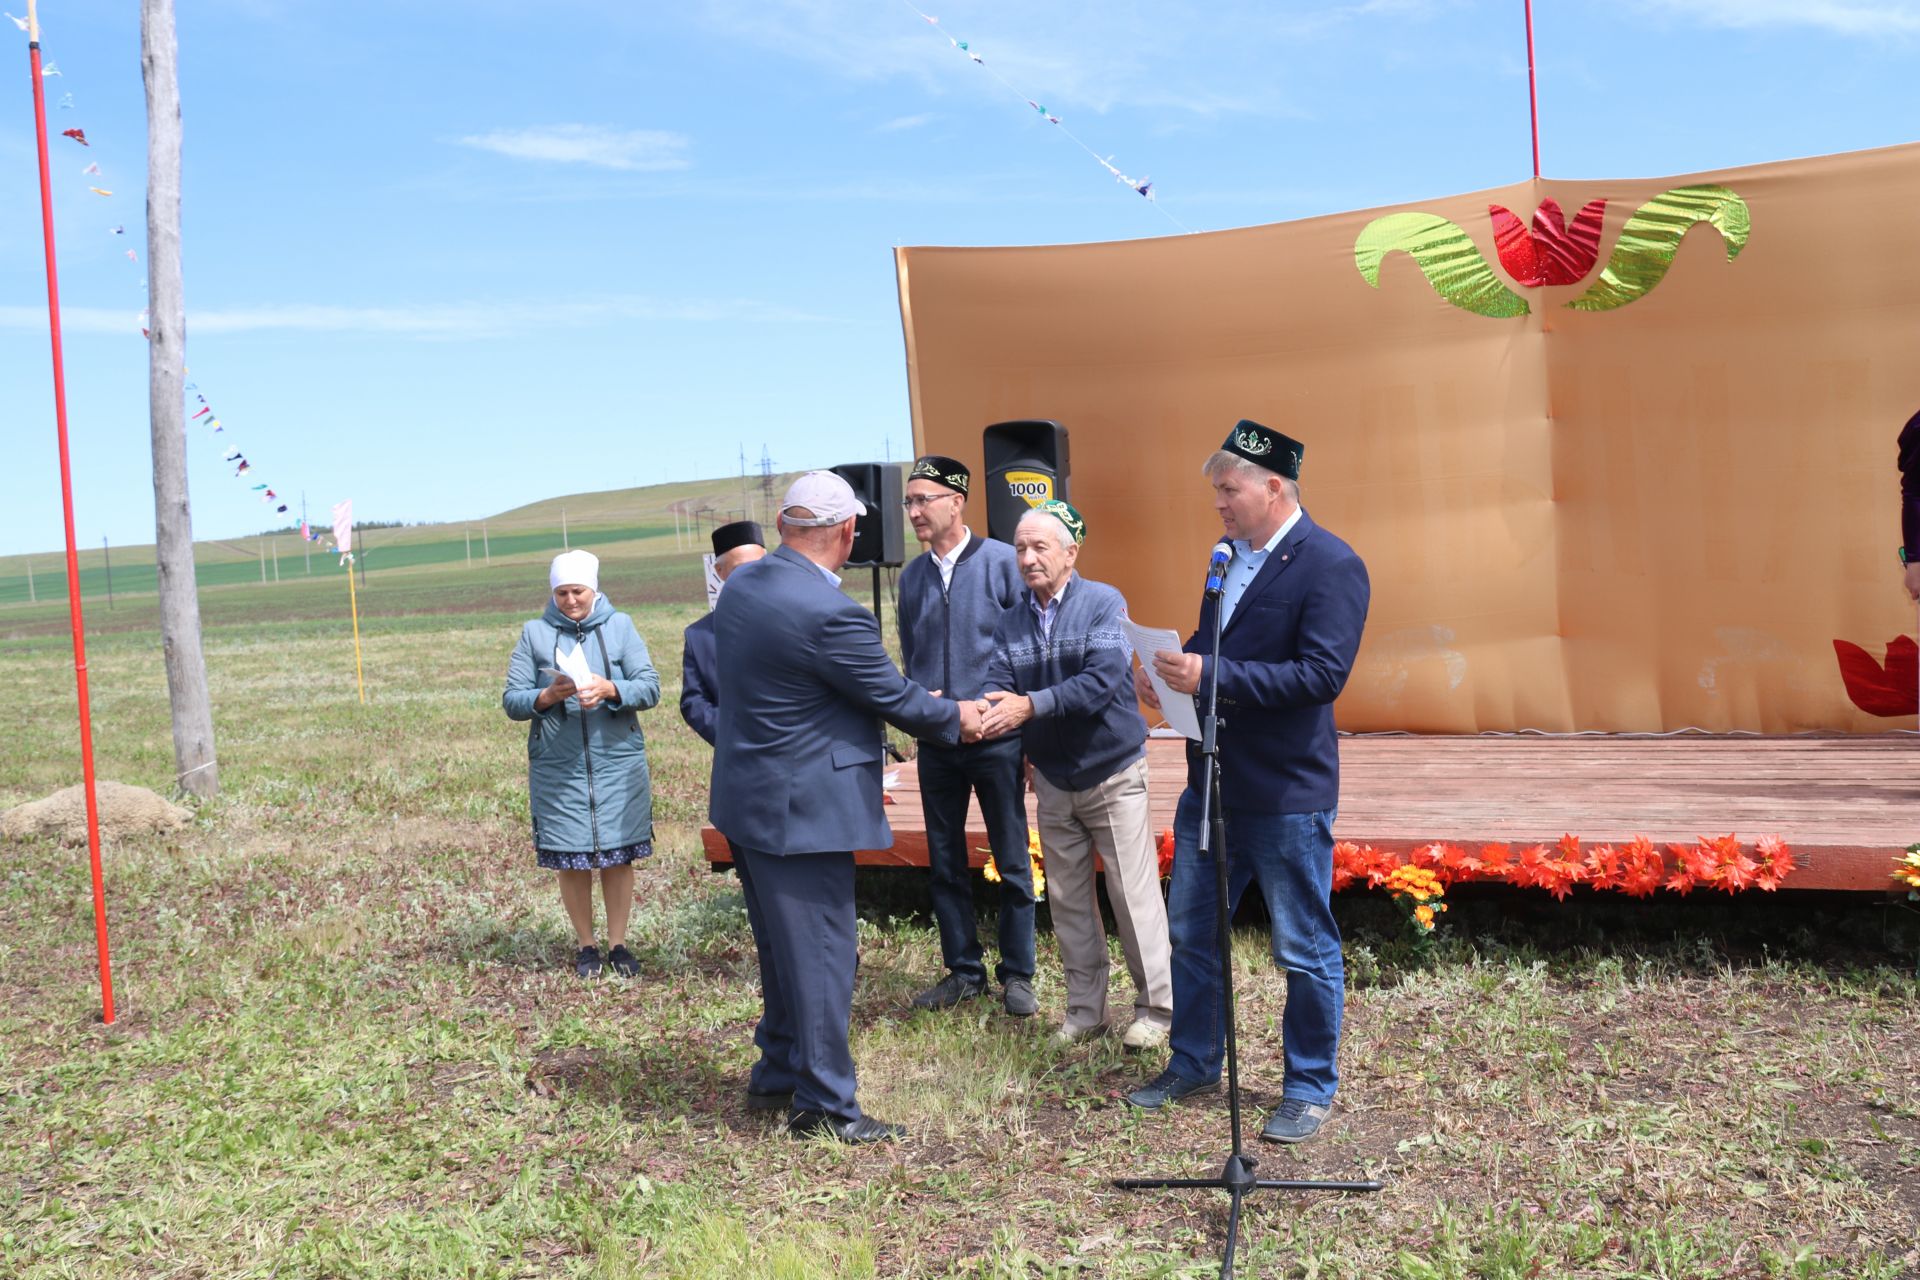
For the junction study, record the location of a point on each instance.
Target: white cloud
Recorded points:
(456, 320)
(900, 123)
(650, 150)
(1841, 17)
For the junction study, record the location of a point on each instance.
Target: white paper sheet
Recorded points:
(572, 665)
(1176, 707)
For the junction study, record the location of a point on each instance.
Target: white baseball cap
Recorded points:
(828, 496)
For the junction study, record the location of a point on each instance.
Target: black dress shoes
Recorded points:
(769, 1100)
(803, 1124)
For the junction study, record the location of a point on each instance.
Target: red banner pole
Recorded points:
(1533, 94)
(78, 622)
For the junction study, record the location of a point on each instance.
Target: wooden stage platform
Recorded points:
(1847, 805)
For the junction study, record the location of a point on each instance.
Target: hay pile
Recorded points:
(124, 811)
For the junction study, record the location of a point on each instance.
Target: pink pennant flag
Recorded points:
(203, 413)
(343, 526)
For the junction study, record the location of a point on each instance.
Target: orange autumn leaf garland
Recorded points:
(1636, 868)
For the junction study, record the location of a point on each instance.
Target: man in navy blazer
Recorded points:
(733, 545)
(797, 789)
(1293, 606)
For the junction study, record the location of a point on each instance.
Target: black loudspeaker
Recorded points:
(879, 537)
(1026, 465)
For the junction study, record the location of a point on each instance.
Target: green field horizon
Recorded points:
(662, 518)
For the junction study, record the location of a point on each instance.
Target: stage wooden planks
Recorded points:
(1846, 804)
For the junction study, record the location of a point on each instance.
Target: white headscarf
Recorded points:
(574, 568)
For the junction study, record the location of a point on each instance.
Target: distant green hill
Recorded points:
(661, 518)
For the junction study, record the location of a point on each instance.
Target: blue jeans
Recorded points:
(1290, 856)
(995, 772)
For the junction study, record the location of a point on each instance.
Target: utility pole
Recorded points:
(107, 551)
(195, 767)
(276, 557)
(766, 484)
(31, 598)
(485, 550)
(469, 546)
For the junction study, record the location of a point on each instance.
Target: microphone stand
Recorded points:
(1237, 1177)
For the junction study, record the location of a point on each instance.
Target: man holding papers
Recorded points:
(1292, 608)
(1059, 675)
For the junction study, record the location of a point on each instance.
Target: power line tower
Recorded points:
(743, 477)
(766, 483)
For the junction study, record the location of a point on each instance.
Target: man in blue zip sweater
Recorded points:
(951, 598)
(1060, 676)
(1292, 609)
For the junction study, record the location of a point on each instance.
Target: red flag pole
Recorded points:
(66, 499)
(1533, 94)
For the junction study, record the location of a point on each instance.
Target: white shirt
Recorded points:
(1246, 567)
(1047, 612)
(945, 563)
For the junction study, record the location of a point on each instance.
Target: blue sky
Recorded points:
(448, 258)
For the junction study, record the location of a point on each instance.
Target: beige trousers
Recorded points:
(1114, 818)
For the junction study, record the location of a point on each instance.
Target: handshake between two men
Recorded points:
(1000, 712)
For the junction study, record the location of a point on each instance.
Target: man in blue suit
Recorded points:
(796, 789)
(1292, 607)
(733, 545)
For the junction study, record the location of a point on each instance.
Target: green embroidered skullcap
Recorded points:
(1265, 447)
(1064, 512)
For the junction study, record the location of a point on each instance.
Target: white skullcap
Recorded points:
(574, 568)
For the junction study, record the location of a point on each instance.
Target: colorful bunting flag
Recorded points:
(1143, 187)
(18, 22)
(78, 135)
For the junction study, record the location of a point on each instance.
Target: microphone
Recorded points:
(1217, 567)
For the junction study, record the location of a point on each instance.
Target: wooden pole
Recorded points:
(564, 544)
(31, 598)
(75, 613)
(275, 542)
(196, 770)
(469, 532)
(485, 550)
(353, 603)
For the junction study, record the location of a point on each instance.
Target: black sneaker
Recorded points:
(587, 962)
(623, 962)
(1019, 998)
(950, 991)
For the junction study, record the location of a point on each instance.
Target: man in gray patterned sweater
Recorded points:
(1061, 675)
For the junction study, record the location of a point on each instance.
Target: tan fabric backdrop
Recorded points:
(1640, 519)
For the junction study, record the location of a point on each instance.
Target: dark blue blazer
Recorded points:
(797, 761)
(1284, 657)
(699, 682)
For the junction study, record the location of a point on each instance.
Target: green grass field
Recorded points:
(348, 1045)
(651, 514)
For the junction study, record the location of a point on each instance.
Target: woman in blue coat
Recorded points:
(587, 776)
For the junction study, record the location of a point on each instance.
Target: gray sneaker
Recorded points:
(1019, 998)
(1294, 1121)
(1168, 1086)
(950, 991)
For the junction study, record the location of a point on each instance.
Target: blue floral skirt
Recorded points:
(558, 860)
